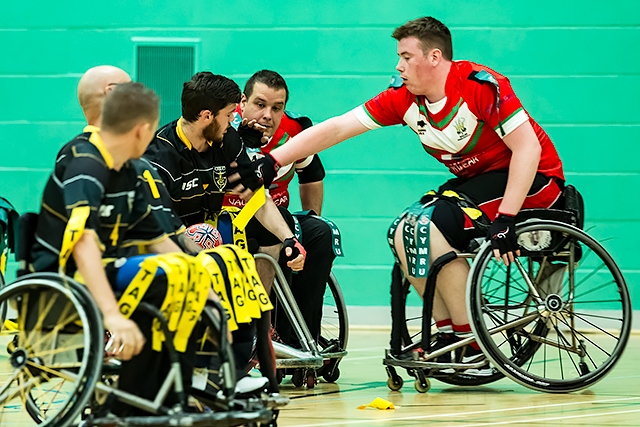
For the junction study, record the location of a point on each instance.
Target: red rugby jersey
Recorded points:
(465, 133)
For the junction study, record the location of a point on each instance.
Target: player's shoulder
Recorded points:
(165, 143)
(474, 74)
(82, 149)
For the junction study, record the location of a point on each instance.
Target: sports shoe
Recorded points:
(468, 354)
(441, 341)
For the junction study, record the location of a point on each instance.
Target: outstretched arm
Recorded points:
(319, 137)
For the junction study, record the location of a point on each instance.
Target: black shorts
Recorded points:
(486, 191)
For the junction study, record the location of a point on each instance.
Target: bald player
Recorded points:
(94, 84)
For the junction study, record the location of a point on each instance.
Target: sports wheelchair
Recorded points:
(314, 358)
(55, 364)
(557, 320)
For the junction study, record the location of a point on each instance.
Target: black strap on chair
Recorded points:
(8, 226)
(26, 239)
(399, 291)
(429, 294)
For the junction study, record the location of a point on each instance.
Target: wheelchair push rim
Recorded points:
(559, 318)
(52, 358)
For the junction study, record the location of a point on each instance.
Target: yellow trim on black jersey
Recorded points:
(90, 129)
(182, 136)
(96, 140)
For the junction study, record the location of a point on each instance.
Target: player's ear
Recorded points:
(435, 56)
(243, 102)
(206, 114)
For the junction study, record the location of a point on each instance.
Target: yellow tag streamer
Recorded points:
(239, 236)
(72, 233)
(152, 184)
(196, 298)
(472, 213)
(217, 281)
(138, 287)
(259, 292)
(378, 403)
(249, 210)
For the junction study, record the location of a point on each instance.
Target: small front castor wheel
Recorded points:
(331, 375)
(298, 377)
(394, 384)
(422, 383)
(312, 379)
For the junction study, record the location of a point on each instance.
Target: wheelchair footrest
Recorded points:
(416, 364)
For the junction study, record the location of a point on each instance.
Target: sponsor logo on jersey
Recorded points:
(105, 210)
(186, 186)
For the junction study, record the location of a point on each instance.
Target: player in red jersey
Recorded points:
(468, 117)
(263, 101)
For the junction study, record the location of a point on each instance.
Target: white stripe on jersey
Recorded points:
(364, 118)
(84, 177)
(516, 120)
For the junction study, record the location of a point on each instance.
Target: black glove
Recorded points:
(248, 176)
(266, 168)
(296, 248)
(502, 234)
(251, 137)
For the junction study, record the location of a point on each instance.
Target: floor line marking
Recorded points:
(536, 420)
(459, 414)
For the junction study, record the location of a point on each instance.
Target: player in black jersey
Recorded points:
(196, 156)
(92, 210)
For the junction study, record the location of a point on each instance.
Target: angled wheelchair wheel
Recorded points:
(54, 349)
(559, 318)
(334, 330)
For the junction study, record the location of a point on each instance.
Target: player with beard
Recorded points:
(196, 156)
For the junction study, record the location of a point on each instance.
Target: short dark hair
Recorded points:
(128, 104)
(431, 33)
(269, 78)
(208, 91)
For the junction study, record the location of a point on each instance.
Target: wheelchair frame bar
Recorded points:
(285, 297)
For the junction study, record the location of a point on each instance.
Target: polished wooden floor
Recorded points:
(614, 401)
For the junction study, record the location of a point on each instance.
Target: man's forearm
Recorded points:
(271, 218)
(88, 258)
(166, 246)
(318, 138)
(311, 196)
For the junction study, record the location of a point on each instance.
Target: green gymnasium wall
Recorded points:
(574, 65)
